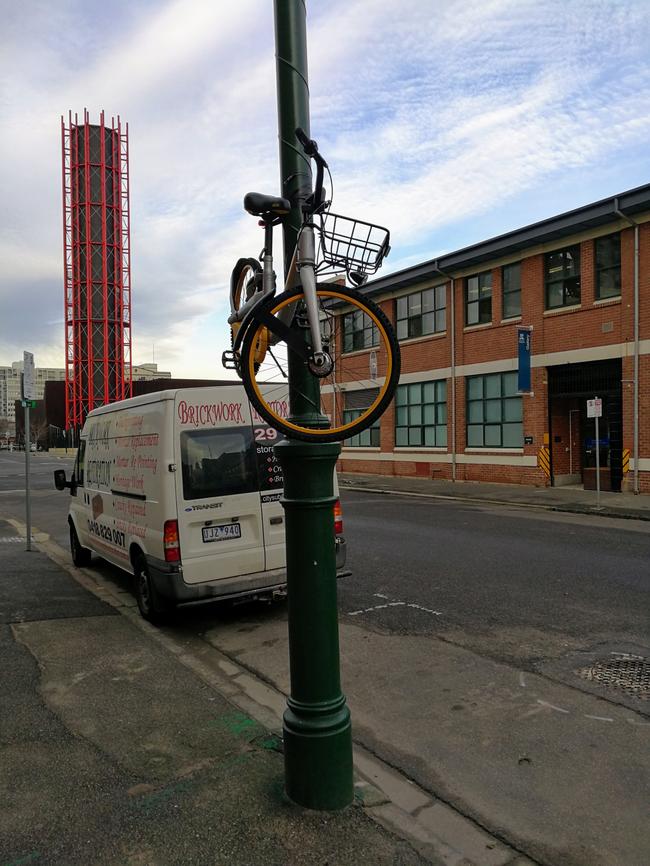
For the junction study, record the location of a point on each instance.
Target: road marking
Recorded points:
(380, 595)
(552, 706)
(599, 718)
(393, 604)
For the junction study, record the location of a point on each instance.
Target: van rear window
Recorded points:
(218, 462)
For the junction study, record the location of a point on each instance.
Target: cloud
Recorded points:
(431, 118)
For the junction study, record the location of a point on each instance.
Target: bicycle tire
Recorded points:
(379, 384)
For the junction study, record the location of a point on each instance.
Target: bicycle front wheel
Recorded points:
(351, 392)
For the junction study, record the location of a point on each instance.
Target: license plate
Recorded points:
(219, 533)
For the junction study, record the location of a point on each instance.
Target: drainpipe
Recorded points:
(629, 220)
(452, 325)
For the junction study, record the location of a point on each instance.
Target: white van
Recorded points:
(181, 489)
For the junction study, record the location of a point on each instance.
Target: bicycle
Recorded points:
(342, 338)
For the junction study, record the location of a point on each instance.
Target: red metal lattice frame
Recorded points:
(86, 365)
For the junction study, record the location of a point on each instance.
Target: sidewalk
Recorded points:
(117, 748)
(571, 499)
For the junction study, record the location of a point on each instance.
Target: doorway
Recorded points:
(572, 435)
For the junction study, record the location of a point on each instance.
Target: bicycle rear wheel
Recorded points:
(352, 393)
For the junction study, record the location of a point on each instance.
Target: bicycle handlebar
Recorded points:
(311, 149)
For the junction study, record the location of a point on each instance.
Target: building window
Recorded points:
(368, 438)
(478, 299)
(359, 332)
(422, 313)
(494, 412)
(562, 277)
(511, 290)
(421, 414)
(608, 266)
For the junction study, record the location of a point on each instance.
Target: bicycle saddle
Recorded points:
(267, 206)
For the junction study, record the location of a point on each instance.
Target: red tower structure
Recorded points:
(97, 265)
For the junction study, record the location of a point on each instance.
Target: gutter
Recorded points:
(452, 325)
(635, 225)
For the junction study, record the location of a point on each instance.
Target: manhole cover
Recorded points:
(626, 673)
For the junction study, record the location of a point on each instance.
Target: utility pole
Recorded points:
(316, 726)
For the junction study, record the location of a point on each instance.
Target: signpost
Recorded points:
(523, 358)
(28, 401)
(595, 411)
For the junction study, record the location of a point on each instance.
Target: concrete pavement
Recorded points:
(121, 745)
(570, 499)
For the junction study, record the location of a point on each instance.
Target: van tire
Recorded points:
(80, 555)
(152, 607)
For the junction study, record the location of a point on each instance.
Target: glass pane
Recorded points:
(429, 392)
(493, 410)
(554, 295)
(218, 463)
(430, 436)
(401, 395)
(415, 436)
(485, 283)
(429, 414)
(441, 390)
(513, 435)
(428, 298)
(512, 305)
(493, 435)
(472, 289)
(415, 415)
(402, 329)
(428, 323)
(572, 290)
(441, 413)
(475, 436)
(415, 327)
(441, 297)
(572, 261)
(402, 308)
(512, 278)
(402, 415)
(441, 321)
(475, 387)
(401, 436)
(509, 384)
(375, 434)
(609, 283)
(554, 265)
(415, 393)
(493, 385)
(347, 341)
(512, 409)
(475, 412)
(485, 310)
(472, 313)
(415, 304)
(441, 436)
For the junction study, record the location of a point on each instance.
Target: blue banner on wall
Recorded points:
(523, 346)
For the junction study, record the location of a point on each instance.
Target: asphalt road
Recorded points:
(466, 632)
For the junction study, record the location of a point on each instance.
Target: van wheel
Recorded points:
(152, 607)
(80, 555)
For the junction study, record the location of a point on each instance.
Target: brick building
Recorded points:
(580, 282)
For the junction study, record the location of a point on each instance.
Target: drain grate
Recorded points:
(626, 673)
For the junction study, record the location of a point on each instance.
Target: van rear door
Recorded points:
(219, 508)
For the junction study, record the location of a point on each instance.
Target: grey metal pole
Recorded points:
(28, 504)
(597, 464)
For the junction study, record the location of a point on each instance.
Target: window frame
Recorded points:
(565, 278)
(435, 311)
(510, 292)
(353, 331)
(600, 269)
(484, 293)
(368, 438)
(437, 426)
(488, 415)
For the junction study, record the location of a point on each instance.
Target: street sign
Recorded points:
(523, 356)
(595, 408)
(28, 404)
(29, 384)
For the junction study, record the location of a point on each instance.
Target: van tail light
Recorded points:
(338, 518)
(171, 543)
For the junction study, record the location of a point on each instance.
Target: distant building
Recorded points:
(140, 372)
(10, 386)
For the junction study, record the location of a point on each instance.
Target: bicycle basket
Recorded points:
(353, 244)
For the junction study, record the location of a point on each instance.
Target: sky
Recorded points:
(448, 122)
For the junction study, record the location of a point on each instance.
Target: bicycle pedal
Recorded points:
(230, 360)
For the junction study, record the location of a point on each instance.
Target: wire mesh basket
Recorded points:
(352, 244)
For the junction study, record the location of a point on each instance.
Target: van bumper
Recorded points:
(167, 578)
